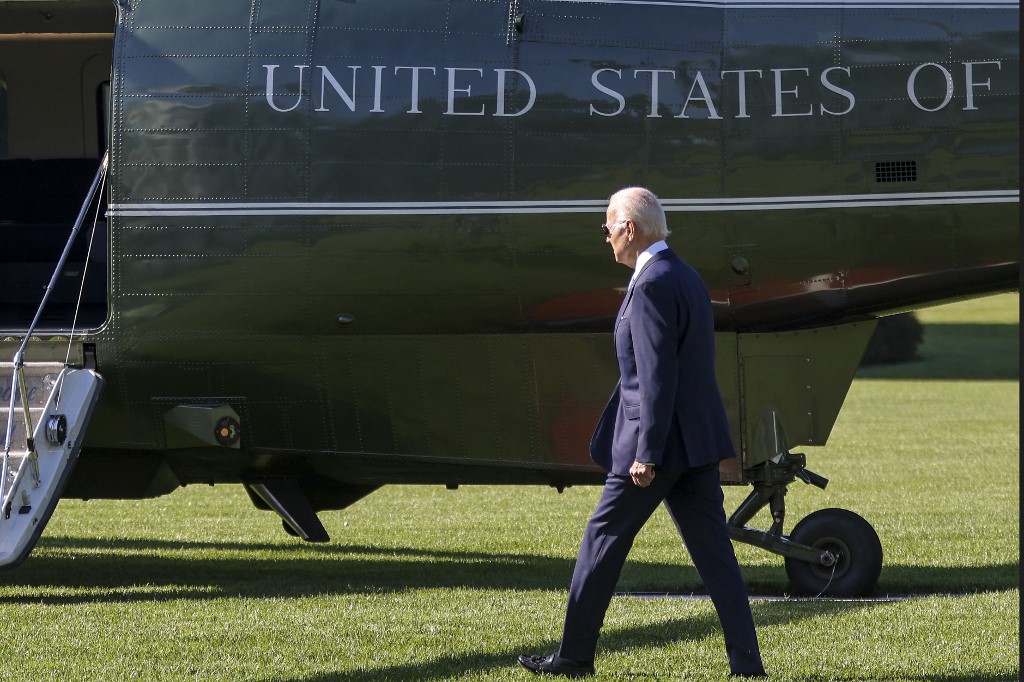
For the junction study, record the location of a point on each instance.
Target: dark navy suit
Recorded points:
(665, 410)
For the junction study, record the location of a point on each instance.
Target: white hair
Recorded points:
(641, 206)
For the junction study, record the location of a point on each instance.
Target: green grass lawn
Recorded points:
(422, 583)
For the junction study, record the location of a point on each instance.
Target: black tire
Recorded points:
(288, 529)
(842, 532)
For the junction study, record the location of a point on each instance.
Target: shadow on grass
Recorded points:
(80, 570)
(968, 678)
(888, 677)
(118, 570)
(977, 352)
(954, 579)
(613, 640)
(772, 580)
(655, 635)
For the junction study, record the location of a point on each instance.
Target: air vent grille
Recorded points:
(896, 171)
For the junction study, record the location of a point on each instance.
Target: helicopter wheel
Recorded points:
(851, 538)
(288, 529)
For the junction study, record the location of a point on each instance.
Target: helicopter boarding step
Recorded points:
(35, 470)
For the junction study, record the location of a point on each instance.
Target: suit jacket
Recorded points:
(666, 408)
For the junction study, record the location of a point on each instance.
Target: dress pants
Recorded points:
(694, 501)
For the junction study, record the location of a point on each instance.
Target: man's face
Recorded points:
(618, 235)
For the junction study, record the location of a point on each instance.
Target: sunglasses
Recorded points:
(607, 229)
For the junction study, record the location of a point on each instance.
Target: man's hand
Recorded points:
(642, 473)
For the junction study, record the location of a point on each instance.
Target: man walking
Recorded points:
(661, 438)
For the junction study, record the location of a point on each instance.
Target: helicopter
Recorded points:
(315, 248)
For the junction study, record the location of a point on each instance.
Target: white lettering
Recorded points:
(468, 90)
(270, 87)
(969, 77)
(414, 96)
(500, 111)
(608, 91)
(930, 88)
(779, 92)
(377, 70)
(742, 77)
(325, 77)
(705, 97)
(832, 87)
(655, 73)
(912, 86)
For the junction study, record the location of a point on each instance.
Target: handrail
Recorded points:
(18, 378)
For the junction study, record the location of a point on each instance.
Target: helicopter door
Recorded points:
(54, 405)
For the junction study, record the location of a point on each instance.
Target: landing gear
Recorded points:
(851, 540)
(297, 502)
(286, 497)
(831, 552)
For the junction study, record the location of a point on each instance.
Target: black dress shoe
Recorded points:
(553, 665)
(760, 675)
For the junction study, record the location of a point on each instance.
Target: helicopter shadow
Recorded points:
(87, 570)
